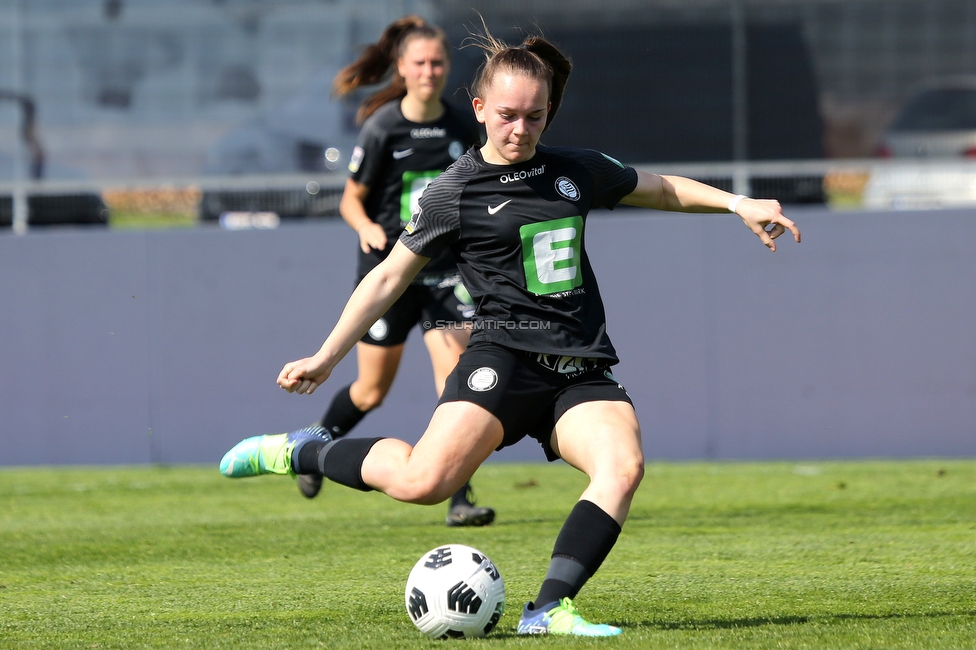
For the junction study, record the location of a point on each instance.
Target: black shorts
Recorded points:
(527, 392)
(443, 304)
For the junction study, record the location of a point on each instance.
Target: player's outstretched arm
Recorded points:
(678, 194)
(371, 299)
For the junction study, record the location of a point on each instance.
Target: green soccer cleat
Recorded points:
(270, 454)
(561, 618)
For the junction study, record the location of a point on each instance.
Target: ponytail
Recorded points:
(378, 60)
(535, 57)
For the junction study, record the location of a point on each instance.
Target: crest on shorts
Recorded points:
(482, 379)
(379, 330)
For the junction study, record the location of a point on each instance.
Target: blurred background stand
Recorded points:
(128, 93)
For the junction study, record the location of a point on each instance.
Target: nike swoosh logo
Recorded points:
(397, 155)
(493, 210)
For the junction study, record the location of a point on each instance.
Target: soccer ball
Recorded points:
(455, 591)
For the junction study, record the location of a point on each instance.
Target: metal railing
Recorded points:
(264, 200)
(163, 201)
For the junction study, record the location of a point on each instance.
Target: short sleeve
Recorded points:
(365, 164)
(612, 180)
(436, 223)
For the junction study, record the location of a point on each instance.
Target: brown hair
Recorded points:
(378, 59)
(535, 57)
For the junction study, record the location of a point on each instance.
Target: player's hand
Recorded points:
(765, 218)
(303, 376)
(371, 236)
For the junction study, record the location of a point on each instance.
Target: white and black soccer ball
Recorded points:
(455, 591)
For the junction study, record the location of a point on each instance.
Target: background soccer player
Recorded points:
(409, 135)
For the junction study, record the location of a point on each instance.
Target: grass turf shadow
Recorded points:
(714, 624)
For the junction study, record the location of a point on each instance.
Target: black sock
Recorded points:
(305, 459)
(583, 544)
(342, 415)
(341, 461)
(461, 496)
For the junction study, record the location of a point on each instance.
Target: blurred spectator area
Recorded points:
(865, 56)
(664, 92)
(139, 88)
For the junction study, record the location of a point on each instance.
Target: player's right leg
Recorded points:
(460, 436)
(269, 454)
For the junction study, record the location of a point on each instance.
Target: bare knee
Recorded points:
(624, 477)
(421, 490)
(366, 398)
(633, 474)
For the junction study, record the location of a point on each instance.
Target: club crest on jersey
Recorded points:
(482, 379)
(455, 149)
(567, 188)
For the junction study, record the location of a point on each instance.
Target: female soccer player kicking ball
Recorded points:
(513, 214)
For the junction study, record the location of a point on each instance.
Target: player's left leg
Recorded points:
(601, 439)
(445, 346)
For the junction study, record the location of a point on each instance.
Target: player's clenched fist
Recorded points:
(302, 376)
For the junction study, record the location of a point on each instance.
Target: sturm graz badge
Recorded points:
(482, 379)
(567, 188)
(379, 330)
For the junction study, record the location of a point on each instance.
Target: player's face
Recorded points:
(424, 68)
(514, 114)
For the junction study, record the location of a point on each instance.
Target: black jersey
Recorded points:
(396, 159)
(517, 233)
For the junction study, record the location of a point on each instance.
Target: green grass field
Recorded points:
(715, 555)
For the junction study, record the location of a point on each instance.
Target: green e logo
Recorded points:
(414, 184)
(551, 253)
